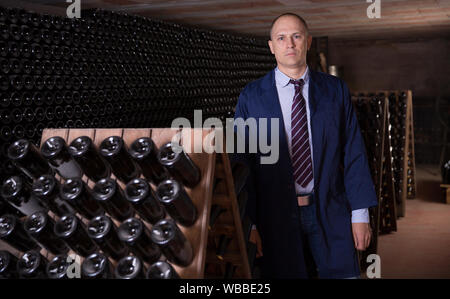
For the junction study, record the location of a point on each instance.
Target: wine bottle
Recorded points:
(129, 267)
(78, 195)
(180, 166)
(17, 193)
(55, 150)
(103, 231)
(96, 266)
(114, 150)
(16, 115)
(140, 194)
(6, 133)
(72, 231)
(18, 131)
(111, 197)
(4, 83)
(5, 116)
(28, 115)
(85, 153)
(177, 202)
(7, 66)
(13, 233)
(27, 158)
(32, 265)
(134, 233)
(8, 262)
(162, 270)
(144, 151)
(40, 227)
(174, 245)
(57, 268)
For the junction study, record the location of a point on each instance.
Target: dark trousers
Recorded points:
(312, 241)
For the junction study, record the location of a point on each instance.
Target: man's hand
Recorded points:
(256, 239)
(362, 233)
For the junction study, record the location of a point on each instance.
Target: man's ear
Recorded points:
(270, 46)
(309, 41)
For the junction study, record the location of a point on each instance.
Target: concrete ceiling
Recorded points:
(333, 18)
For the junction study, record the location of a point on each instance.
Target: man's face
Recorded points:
(289, 42)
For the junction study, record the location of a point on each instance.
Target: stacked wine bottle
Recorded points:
(122, 232)
(372, 113)
(397, 119)
(373, 118)
(115, 70)
(410, 173)
(402, 144)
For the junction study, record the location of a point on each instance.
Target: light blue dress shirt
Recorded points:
(286, 94)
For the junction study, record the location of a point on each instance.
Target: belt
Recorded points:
(304, 200)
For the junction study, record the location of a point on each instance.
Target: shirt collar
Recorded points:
(282, 80)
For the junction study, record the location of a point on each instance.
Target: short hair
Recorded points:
(288, 14)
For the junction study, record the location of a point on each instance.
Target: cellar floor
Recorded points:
(420, 247)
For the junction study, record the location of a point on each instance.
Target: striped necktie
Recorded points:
(301, 152)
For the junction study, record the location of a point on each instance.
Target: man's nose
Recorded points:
(290, 43)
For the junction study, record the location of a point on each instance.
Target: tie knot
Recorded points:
(297, 83)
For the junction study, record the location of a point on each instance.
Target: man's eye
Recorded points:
(297, 36)
(280, 38)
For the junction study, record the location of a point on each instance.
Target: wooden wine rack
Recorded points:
(201, 195)
(226, 225)
(405, 186)
(383, 179)
(388, 206)
(411, 161)
(376, 134)
(362, 107)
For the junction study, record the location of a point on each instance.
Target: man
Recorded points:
(316, 196)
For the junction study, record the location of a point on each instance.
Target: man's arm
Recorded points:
(362, 233)
(360, 216)
(358, 183)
